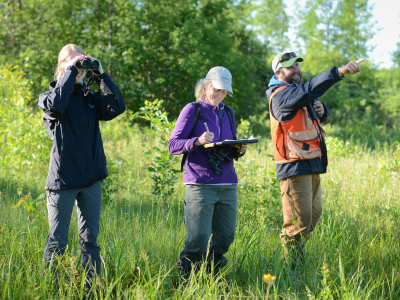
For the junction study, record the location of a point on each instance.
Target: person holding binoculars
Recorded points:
(210, 177)
(71, 114)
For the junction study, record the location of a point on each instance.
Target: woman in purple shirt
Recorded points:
(211, 191)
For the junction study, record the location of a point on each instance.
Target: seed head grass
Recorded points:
(352, 254)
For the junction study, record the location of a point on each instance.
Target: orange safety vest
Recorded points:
(295, 139)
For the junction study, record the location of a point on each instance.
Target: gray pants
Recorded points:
(59, 207)
(209, 210)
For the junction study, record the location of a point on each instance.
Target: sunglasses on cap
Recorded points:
(286, 56)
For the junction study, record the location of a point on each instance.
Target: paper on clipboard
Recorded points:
(232, 143)
(250, 138)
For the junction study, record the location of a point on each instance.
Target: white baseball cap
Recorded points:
(221, 78)
(284, 60)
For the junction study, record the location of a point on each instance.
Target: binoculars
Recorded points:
(87, 63)
(312, 112)
(219, 155)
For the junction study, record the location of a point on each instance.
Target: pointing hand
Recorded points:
(351, 67)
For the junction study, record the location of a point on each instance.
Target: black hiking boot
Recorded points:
(216, 265)
(184, 271)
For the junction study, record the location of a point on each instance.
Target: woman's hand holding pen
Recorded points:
(206, 138)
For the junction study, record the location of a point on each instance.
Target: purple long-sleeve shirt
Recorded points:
(197, 170)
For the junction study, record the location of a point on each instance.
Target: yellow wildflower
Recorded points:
(267, 278)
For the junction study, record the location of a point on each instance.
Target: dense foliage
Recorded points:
(22, 138)
(159, 49)
(153, 49)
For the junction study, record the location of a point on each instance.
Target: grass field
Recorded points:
(353, 254)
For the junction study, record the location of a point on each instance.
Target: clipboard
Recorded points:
(231, 143)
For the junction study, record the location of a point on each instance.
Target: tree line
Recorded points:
(159, 49)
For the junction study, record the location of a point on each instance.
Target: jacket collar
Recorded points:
(209, 106)
(274, 81)
(78, 88)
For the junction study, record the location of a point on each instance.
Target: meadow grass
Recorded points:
(352, 254)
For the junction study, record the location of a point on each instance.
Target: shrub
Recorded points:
(23, 138)
(164, 174)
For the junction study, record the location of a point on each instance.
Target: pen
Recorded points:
(205, 124)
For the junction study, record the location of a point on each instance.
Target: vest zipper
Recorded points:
(283, 140)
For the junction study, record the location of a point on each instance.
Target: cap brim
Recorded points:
(290, 62)
(222, 85)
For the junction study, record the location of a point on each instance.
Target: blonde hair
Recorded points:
(200, 91)
(62, 57)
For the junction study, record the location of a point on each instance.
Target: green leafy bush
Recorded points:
(337, 147)
(23, 138)
(163, 164)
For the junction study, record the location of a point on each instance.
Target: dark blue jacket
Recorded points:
(72, 122)
(287, 102)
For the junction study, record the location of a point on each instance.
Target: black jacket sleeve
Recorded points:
(54, 103)
(288, 101)
(111, 104)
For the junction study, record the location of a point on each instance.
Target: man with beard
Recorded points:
(298, 144)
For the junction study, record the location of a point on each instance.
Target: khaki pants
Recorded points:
(302, 206)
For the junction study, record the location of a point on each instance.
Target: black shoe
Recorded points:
(54, 272)
(219, 263)
(184, 270)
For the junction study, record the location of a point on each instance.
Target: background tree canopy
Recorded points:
(161, 48)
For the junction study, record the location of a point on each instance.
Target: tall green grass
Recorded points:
(352, 254)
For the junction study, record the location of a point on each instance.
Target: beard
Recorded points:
(291, 80)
